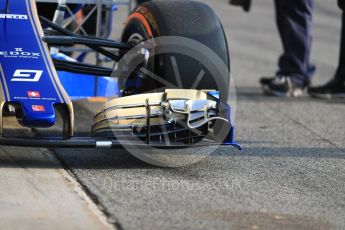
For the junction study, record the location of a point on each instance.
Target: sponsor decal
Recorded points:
(35, 98)
(14, 16)
(19, 53)
(27, 75)
(38, 108)
(34, 94)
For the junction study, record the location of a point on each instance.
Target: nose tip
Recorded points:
(42, 115)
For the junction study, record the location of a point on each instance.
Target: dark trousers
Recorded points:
(294, 21)
(340, 74)
(142, 1)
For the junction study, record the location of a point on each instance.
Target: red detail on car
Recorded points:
(38, 108)
(34, 94)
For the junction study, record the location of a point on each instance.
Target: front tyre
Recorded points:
(182, 18)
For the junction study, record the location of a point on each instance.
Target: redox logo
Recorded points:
(19, 53)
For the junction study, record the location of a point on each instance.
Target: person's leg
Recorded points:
(279, 11)
(280, 18)
(294, 21)
(297, 39)
(335, 88)
(340, 74)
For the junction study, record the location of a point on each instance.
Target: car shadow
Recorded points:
(121, 159)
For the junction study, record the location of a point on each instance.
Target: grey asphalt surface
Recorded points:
(291, 174)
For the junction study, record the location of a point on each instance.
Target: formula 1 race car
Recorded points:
(158, 92)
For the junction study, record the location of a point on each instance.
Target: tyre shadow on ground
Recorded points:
(121, 159)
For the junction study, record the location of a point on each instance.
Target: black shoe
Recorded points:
(283, 86)
(246, 4)
(333, 89)
(267, 80)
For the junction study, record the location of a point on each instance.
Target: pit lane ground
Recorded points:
(291, 174)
